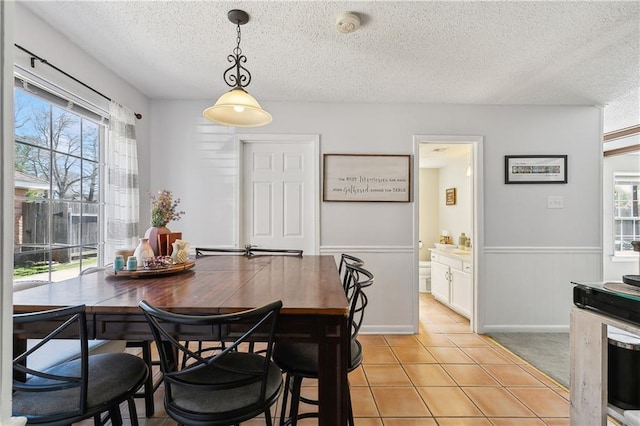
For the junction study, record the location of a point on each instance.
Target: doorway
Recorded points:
(279, 191)
(458, 160)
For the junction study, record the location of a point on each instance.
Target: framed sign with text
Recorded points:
(450, 196)
(367, 177)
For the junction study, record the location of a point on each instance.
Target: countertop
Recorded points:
(456, 253)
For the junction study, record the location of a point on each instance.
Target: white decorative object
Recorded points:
(180, 253)
(143, 251)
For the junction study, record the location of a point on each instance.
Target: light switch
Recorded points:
(555, 202)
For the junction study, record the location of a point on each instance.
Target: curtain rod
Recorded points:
(35, 57)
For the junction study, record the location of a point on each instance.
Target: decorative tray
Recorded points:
(152, 272)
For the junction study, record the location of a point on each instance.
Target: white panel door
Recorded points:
(278, 195)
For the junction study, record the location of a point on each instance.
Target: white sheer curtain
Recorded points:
(122, 201)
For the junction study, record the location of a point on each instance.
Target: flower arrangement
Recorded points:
(164, 208)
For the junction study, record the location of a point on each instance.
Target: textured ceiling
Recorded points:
(506, 52)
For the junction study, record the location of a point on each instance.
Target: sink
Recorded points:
(631, 280)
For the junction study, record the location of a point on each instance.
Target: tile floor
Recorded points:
(445, 375)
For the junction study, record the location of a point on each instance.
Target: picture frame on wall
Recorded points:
(535, 169)
(450, 194)
(367, 178)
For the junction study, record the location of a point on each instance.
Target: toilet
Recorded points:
(424, 277)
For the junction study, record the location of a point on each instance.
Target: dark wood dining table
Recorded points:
(315, 308)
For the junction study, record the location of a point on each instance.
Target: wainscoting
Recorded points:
(528, 289)
(393, 297)
(519, 289)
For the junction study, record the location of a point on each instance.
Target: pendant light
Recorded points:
(237, 107)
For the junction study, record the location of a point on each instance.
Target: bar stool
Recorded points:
(300, 360)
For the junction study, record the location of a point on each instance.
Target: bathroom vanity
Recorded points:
(451, 282)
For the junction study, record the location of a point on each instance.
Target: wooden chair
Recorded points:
(81, 388)
(221, 385)
(165, 241)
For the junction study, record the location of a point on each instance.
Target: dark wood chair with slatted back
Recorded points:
(80, 388)
(300, 360)
(222, 385)
(165, 241)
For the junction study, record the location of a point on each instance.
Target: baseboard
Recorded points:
(488, 329)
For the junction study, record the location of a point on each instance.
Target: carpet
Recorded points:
(548, 352)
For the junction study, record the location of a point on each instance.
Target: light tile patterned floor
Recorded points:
(445, 375)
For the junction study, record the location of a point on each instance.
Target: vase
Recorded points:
(143, 251)
(152, 235)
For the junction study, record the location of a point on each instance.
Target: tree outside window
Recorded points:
(57, 192)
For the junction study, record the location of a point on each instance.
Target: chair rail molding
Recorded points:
(366, 249)
(524, 249)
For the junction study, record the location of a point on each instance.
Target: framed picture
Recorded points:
(535, 169)
(367, 177)
(450, 196)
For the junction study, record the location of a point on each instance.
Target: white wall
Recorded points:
(457, 218)
(429, 207)
(186, 157)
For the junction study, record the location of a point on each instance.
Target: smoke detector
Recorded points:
(347, 22)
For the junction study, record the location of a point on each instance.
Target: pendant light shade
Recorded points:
(237, 107)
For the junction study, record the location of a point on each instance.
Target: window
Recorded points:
(626, 212)
(57, 188)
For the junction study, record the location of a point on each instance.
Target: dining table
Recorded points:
(315, 308)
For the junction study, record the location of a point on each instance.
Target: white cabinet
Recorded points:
(440, 281)
(451, 282)
(461, 292)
